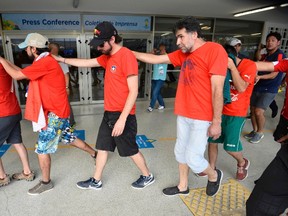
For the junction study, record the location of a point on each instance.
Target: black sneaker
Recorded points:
(213, 187)
(173, 191)
(91, 183)
(143, 181)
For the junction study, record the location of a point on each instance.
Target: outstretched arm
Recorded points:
(78, 62)
(12, 70)
(151, 58)
(265, 66)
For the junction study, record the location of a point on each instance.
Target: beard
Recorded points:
(107, 52)
(31, 57)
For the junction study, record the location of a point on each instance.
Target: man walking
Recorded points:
(198, 102)
(47, 105)
(119, 126)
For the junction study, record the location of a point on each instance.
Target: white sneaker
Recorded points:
(149, 109)
(161, 107)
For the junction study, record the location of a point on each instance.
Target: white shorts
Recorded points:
(192, 139)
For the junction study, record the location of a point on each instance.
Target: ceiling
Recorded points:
(197, 8)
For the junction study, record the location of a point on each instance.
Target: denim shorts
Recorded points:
(57, 130)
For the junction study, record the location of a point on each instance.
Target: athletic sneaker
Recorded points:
(161, 107)
(41, 188)
(250, 135)
(5, 181)
(242, 171)
(173, 191)
(91, 183)
(143, 181)
(257, 138)
(23, 176)
(149, 109)
(213, 187)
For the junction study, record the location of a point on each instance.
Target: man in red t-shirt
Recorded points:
(119, 126)
(198, 102)
(47, 103)
(234, 114)
(270, 194)
(10, 129)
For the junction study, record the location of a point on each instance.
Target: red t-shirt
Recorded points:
(117, 69)
(283, 66)
(8, 101)
(194, 94)
(51, 85)
(240, 101)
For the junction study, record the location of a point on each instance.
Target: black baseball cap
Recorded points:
(103, 32)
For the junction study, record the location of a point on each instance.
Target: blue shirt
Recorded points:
(270, 85)
(159, 71)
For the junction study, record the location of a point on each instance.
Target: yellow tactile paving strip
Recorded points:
(230, 200)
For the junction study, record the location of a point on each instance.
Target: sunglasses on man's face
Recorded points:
(102, 45)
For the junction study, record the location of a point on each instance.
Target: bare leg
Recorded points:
(238, 156)
(101, 160)
(183, 177)
(253, 119)
(23, 155)
(45, 165)
(78, 143)
(212, 154)
(260, 119)
(212, 174)
(2, 171)
(140, 162)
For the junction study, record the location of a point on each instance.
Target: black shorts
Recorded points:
(10, 129)
(281, 129)
(125, 143)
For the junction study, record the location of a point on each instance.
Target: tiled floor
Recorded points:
(70, 165)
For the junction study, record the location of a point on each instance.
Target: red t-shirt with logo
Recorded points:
(51, 85)
(240, 101)
(283, 66)
(8, 101)
(117, 69)
(194, 94)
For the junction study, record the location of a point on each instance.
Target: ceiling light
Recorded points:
(205, 27)
(254, 11)
(284, 5)
(165, 34)
(254, 34)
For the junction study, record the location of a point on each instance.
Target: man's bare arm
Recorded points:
(12, 70)
(151, 58)
(77, 62)
(265, 66)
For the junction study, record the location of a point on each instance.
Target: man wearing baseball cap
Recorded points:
(47, 96)
(237, 44)
(119, 125)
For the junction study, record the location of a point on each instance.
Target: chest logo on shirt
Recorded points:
(247, 76)
(113, 69)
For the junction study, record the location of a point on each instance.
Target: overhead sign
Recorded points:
(121, 23)
(41, 22)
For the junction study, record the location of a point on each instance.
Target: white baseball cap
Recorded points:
(34, 40)
(235, 41)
